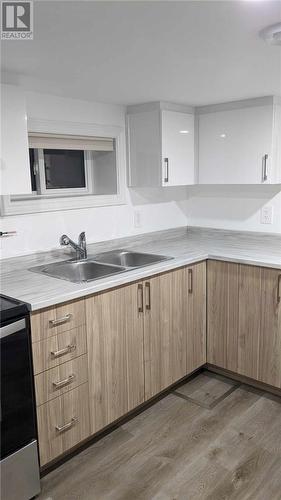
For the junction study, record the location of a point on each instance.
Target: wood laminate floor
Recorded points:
(179, 450)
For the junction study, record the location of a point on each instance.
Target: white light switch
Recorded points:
(267, 214)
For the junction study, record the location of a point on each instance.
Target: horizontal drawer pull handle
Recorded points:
(61, 352)
(59, 321)
(65, 427)
(66, 381)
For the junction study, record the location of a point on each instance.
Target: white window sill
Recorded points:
(38, 204)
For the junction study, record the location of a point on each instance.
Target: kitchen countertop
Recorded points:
(186, 245)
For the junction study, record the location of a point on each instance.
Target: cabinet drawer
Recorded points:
(63, 423)
(61, 379)
(58, 349)
(54, 320)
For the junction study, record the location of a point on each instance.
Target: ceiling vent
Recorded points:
(272, 34)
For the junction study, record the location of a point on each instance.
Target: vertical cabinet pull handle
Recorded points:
(279, 289)
(166, 163)
(264, 168)
(140, 298)
(148, 296)
(190, 280)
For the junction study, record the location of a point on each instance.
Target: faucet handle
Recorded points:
(82, 238)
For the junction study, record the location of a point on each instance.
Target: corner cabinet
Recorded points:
(244, 320)
(160, 142)
(240, 142)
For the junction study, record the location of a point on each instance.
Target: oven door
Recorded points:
(18, 424)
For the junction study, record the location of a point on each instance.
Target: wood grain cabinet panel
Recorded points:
(196, 317)
(165, 327)
(115, 354)
(63, 378)
(49, 322)
(63, 423)
(222, 313)
(58, 349)
(249, 320)
(174, 326)
(244, 320)
(269, 370)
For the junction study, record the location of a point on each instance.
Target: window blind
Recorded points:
(57, 141)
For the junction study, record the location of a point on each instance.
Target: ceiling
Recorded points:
(194, 52)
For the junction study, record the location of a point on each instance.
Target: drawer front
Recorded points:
(54, 320)
(61, 379)
(63, 423)
(58, 349)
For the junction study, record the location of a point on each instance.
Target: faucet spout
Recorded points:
(80, 248)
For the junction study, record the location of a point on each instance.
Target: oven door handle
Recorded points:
(15, 327)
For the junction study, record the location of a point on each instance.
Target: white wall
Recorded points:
(234, 207)
(228, 207)
(39, 232)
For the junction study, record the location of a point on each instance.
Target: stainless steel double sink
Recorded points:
(99, 266)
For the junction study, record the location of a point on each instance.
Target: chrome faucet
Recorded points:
(80, 248)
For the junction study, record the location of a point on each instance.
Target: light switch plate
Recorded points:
(137, 219)
(267, 214)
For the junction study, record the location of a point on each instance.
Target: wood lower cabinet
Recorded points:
(174, 326)
(244, 320)
(115, 354)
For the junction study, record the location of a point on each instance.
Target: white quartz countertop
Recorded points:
(185, 245)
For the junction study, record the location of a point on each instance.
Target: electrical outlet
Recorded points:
(137, 219)
(267, 214)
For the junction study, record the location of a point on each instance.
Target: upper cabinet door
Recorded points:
(177, 148)
(160, 144)
(238, 146)
(15, 172)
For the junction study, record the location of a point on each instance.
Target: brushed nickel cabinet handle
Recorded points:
(60, 321)
(140, 298)
(148, 296)
(66, 381)
(190, 281)
(65, 350)
(68, 425)
(264, 168)
(166, 163)
(279, 289)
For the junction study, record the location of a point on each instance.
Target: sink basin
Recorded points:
(78, 271)
(129, 259)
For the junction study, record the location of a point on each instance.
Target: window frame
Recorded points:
(34, 203)
(41, 177)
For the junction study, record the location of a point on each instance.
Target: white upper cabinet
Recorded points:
(239, 143)
(160, 145)
(15, 171)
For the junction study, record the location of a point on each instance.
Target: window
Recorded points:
(70, 171)
(57, 171)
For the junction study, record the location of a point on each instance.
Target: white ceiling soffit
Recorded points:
(194, 52)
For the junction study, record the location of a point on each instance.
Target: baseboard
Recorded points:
(243, 379)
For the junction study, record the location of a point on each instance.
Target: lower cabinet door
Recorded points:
(269, 370)
(63, 423)
(196, 317)
(165, 330)
(115, 353)
(244, 320)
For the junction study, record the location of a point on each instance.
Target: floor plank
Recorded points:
(178, 450)
(207, 389)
